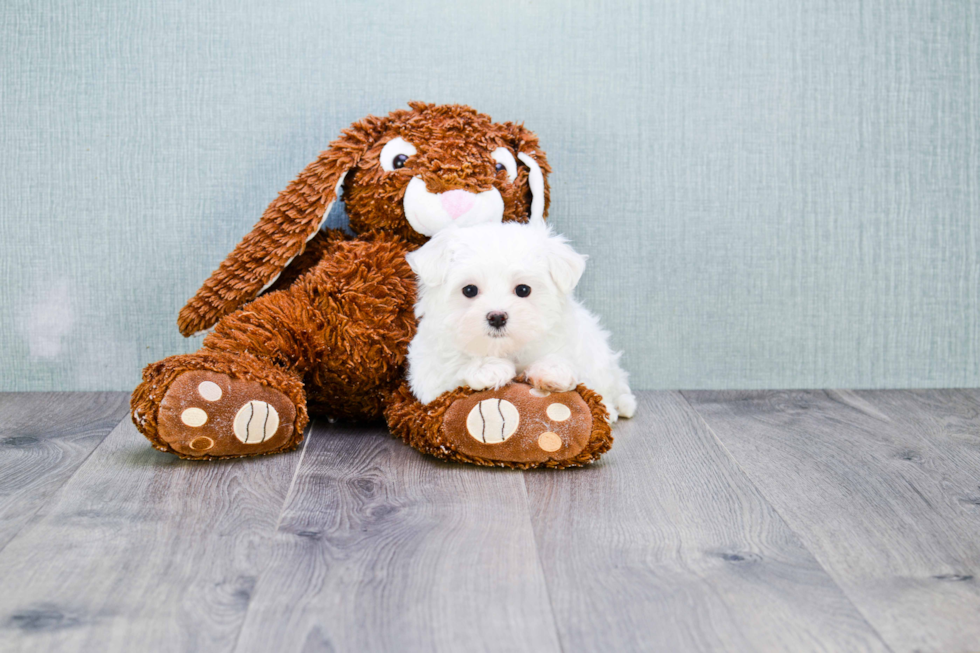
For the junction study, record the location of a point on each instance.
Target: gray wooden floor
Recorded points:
(720, 521)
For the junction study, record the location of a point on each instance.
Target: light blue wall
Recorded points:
(777, 193)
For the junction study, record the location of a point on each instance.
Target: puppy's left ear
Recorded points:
(564, 264)
(432, 261)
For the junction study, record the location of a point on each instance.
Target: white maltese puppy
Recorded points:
(494, 302)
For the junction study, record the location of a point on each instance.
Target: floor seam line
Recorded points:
(537, 554)
(272, 534)
(292, 481)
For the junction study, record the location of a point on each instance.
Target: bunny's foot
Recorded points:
(515, 426)
(217, 405)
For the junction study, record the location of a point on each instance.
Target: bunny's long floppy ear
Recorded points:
(286, 226)
(531, 155)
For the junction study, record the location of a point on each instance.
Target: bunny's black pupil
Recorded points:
(522, 290)
(399, 161)
(500, 166)
(470, 291)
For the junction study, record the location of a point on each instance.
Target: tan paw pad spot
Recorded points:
(493, 420)
(209, 390)
(534, 392)
(549, 441)
(194, 417)
(256, 422)
(558, 412)
(201, 444)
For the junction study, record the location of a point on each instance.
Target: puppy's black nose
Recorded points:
(497, 320)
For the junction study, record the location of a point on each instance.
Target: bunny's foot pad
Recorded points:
(514, 426)
(207, 414)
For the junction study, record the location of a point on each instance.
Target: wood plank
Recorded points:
(44, 437)
(142, 551)
(664, 545)
(881, 487)
(381, 548)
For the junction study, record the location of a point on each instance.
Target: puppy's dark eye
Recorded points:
(500, 166)
(399, 161)
(522, 290)
(471, 291)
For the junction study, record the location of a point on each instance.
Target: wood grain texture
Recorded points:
(142, 551)
(665, 545)
(804, 521)
(44, 437)
(380, 548)
(883, 488)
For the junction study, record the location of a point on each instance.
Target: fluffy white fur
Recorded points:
(548, 335)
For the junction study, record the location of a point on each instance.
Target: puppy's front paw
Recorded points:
(552, 376)
(490, 373)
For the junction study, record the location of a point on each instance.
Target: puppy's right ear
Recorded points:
(290, 221)
(432, 262)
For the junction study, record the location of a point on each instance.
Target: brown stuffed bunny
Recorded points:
(331, 331)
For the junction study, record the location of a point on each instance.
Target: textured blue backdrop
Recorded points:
(773, 192)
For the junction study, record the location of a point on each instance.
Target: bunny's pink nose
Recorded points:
(457, 202)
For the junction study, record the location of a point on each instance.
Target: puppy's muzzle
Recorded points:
(497, 319)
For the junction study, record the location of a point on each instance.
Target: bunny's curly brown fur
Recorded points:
(457, 140)
(331, 332)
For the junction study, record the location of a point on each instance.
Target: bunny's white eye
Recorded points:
(395, 153)
(504, 158)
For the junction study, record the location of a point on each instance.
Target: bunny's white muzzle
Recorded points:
(430, 212)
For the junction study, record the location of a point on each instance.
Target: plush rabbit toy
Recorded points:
(310, 320)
